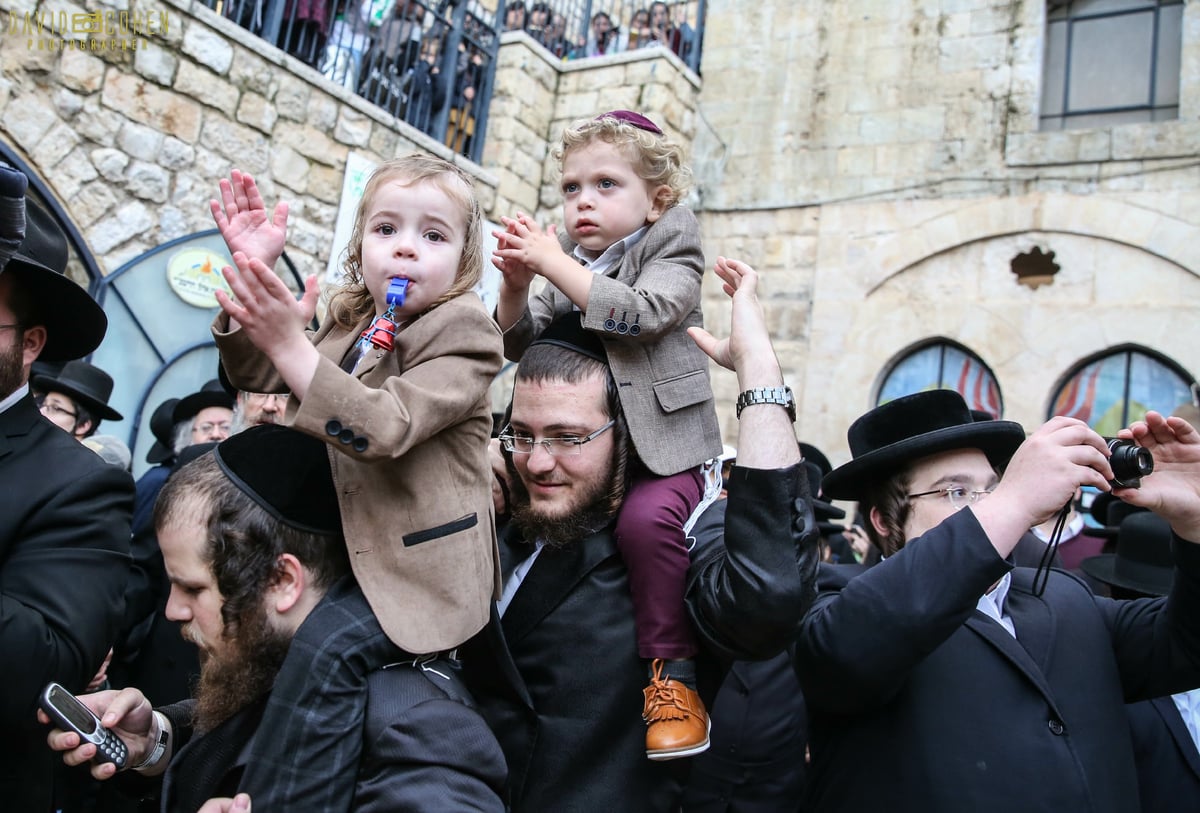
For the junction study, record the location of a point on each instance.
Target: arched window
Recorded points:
(942, 364)
(1111, 390)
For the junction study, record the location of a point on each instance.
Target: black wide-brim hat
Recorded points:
(822, 509)
(75, 323)
(900, 432)
(162, 426)
(84, 383)
(212, 394)
(1143, 560)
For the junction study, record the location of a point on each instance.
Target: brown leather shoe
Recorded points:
(676, 718)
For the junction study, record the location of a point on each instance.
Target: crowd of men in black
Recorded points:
(950, 669)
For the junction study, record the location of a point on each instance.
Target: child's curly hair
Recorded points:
(655, 158)
(353, 301)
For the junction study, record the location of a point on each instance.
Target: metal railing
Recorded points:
(568, 29)
(430, 63)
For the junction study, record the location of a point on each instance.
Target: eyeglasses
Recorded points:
(263, 397)
(566, 446)
(207, 428)
(958, 496)
(51, 407)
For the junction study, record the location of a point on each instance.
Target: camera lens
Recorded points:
(1130, 463)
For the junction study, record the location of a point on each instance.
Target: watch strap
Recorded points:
(768, 395)
(160, 747)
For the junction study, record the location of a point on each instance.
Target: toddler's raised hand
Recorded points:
(241, 217)
(272, 317)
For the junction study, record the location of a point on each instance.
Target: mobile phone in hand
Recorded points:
(65, 710)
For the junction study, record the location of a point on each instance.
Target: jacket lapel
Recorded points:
(1027, 652)
(552, 577)
(1166, 708)
(15, 422)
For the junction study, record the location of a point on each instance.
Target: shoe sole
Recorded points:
(691, 750)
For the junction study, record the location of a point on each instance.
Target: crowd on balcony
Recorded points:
(648, 27)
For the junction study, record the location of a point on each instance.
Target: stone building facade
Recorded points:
(880, 162)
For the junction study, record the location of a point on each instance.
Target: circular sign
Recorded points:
(194, 274)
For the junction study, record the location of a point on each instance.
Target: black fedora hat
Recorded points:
(1109, 510)
(823, 510)
(911, 427)
(212, 394)
(75, 324)
(1143, 559)
(162, 426)
(85, 383)
(810, 452)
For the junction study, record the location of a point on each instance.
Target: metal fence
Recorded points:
(570, 29)
(430, 63)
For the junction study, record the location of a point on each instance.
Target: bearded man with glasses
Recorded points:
(968, 683)
(555, 667)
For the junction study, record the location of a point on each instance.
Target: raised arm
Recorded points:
(748, 602)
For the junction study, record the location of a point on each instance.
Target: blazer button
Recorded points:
(345, 436)
(333, 428)
(360, 444)
(635, 329)
(610, 324)
(622, 328)
(1056, 727)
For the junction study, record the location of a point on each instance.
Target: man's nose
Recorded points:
(540, 460)
(175, 610)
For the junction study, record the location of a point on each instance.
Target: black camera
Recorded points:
(1130, 463)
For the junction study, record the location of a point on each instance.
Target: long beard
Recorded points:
(12, 370)
(594, 511)
(234, 676)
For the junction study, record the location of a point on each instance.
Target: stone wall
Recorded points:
(133, 141)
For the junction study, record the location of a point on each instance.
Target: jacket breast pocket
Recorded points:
(683, 391)
(437, 532)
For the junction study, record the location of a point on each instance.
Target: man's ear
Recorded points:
(31, 345)
(877, 523)
(81, 431)
(660, 203)
(289, 584)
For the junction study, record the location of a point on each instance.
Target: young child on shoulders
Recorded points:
(631, 272)
(396, 382)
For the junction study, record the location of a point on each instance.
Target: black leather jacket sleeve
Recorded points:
(753, 577)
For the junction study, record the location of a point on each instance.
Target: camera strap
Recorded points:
(1042, 576)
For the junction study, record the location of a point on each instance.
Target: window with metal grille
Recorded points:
(1111, 62)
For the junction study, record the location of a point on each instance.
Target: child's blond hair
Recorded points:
(353, 301)
(654, 158)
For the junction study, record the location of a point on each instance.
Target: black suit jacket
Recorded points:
(64, 565)
(559, 678)
(1168, 764)
(425, 748)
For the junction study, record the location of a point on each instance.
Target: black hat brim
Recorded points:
(75, 323)
(1144, 578)
(48, 383)
(996, 439)
(190, 406)
(159, 453)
